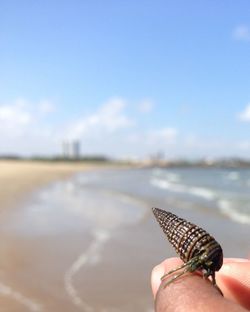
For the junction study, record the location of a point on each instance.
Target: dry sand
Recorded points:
(17, 178)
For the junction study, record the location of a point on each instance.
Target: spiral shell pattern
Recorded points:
(188, 239)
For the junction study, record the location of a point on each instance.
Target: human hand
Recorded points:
(193, 293)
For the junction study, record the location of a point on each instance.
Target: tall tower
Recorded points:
(75, 145)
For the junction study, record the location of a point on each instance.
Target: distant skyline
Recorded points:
(125, 78)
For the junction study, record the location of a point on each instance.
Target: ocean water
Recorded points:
(90, 243)
(224, 191)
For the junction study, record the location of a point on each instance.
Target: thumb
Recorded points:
(188, 293)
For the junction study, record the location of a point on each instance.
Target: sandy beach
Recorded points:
(17, 178)
(58, 260)
(75, 237)
(31, 278)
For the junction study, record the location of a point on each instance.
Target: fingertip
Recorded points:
(159, 290)
(156, 274)
(161, 269)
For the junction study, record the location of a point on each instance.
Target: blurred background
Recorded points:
(108, 108)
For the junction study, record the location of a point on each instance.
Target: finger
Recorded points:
(160, 270)
(234, 281)
(190, 292)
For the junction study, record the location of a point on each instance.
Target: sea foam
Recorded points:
(226, 208)
(204, 193)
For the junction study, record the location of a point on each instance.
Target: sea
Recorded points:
(89, 243)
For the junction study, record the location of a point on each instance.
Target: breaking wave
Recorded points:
(180, 188)
(232, 213)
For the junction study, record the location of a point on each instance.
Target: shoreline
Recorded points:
(21, 178)
(39, 271)
(74, 237)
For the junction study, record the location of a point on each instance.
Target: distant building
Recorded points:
(75, 146)
(71, 149)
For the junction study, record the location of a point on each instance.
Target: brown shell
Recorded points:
(187, 238)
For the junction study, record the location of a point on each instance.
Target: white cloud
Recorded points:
(212, 147)
(194, 142)
(146, 106)
(46, 107)
(109, 118)
(244, 145)
(191, 140)
(20, 113)
(241, 32)
(156, 137)
(23, 130)
(163, 136)
(14, 117)
(108, 130)
(26, 130)
(245, 114)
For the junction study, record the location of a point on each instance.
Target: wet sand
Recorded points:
(88, 269)
(17, 180)
(88, 242)
(33, 270)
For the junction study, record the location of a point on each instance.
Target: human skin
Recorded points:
(193, 293)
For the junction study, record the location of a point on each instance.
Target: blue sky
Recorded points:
(126, 78)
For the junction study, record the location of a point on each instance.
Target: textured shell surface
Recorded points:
(189, 240)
